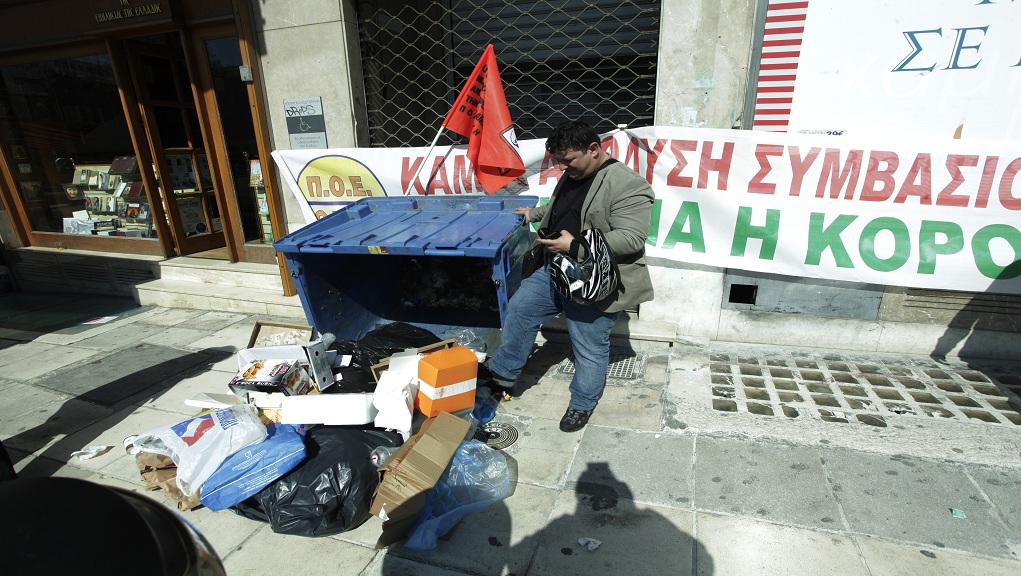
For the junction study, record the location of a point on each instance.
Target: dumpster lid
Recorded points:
(431, 225)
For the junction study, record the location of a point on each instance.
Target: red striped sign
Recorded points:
(778, 65)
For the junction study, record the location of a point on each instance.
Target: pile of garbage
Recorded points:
(315, 438)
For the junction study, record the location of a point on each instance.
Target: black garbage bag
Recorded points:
(375, 346)
(330, 491)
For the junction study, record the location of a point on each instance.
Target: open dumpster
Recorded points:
(444, 263)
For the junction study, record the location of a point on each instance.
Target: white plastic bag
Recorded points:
(199, 445)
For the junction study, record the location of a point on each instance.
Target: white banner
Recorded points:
(907, 66)
(932, 214)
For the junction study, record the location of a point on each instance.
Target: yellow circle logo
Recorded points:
(332, 182)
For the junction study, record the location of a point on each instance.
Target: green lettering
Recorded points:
(901, 240)
(745, 230)
(688, 212)
(928, 248)
(820, 239)
(983, 258)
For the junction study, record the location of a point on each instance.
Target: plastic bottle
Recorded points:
(380, 454)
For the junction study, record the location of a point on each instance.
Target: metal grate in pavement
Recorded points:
(623, 366)
(861, 389)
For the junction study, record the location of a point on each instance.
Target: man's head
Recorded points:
(576, 148)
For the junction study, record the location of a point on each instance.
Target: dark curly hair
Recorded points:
(571, 135)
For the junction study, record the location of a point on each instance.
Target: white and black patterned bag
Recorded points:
(594, 278)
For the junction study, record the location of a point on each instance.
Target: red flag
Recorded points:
(480, 113)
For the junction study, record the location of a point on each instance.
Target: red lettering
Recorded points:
(438, 182)
(652, 156)
(719, 165)
(946, 196)
(549, 170)
(464, 177)
(610, 145)
(631, 155)
(762, 154)
(836, 177)
(883, 176)
(679, 147)
(799, 167)
(985, 185)
(1007, 199)
(408, 168)
(921, 169)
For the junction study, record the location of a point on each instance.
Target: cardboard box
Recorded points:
(407, 477)
(447, 381)
(314, 354)
(384, 364)
(287, 377)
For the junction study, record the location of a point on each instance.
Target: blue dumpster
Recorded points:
(444, 263)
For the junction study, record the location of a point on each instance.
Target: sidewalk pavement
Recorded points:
(702, 458)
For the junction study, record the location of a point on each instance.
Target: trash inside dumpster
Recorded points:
(442, 263)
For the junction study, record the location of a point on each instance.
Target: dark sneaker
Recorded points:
(496, 383)
(574, 420)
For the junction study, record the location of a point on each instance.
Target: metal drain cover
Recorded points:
(497, 435)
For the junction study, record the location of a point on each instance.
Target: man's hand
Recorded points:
(525, 212)
(559, 244)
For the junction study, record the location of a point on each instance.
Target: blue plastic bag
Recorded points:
(477, 477)
(247, 471)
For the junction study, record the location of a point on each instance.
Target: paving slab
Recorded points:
(23, 352)
(543, 453)
(885, 557)
(766, 480)
(267, 553)
(214, 321)
(500, 539)
(911, 499)
(633, 538)
(644, 466)
(41, 368)
(21, 399)
(173, 400)
(35, 431)
(1003, 488)
(632, 406)
(142, 367)
(123, 336)
(738, 546)
(387, 565)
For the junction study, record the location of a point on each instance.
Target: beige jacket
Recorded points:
(619, 204)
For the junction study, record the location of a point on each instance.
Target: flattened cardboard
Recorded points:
(378, 369)
(407, 477)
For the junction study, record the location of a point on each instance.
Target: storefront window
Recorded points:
(63, 131)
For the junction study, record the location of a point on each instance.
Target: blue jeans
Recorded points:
(536, 302)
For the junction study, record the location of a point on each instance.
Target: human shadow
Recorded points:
(631, 538)
(72, 425)
(97, 390)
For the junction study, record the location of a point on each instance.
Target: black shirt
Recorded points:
(569, 197)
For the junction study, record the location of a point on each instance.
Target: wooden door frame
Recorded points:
(212, 239)
(260, 119)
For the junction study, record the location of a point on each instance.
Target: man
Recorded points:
(598, 192)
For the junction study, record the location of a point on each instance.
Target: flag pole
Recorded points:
(424, 160)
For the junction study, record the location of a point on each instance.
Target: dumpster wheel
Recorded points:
(497, 435)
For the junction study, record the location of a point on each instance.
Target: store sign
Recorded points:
(306, 126)
(114, 13)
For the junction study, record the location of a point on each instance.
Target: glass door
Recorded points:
(187, 188)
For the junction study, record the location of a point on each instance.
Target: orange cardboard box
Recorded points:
(447, 381)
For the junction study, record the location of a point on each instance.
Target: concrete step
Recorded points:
(221, 297)
(216, 272)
